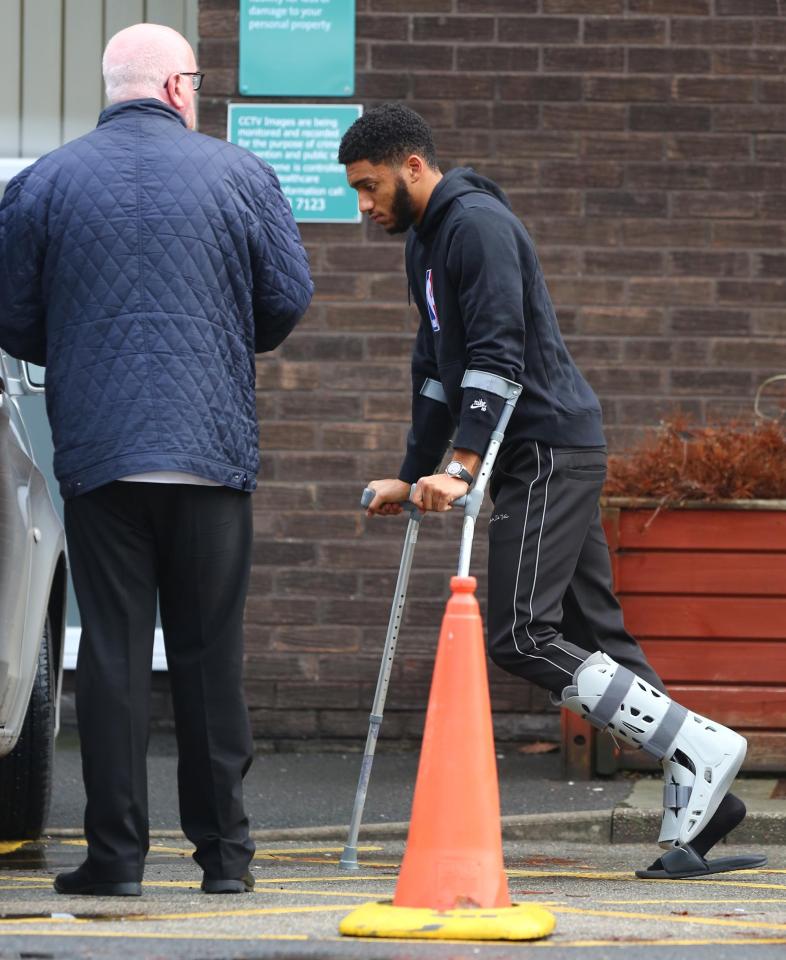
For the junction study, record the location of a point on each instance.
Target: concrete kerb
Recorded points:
(637, 819)
(641, 826)
(621, 824)
(586, 826)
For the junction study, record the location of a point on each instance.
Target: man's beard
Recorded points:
(402, 210)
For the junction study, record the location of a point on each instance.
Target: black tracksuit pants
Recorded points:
(190, 546)
(550, 599)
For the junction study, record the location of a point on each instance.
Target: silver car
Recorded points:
(33, 580)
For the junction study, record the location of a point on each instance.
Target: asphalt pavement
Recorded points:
(301, 896)
(570, 848)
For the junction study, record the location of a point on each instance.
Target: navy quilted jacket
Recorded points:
(145, 265)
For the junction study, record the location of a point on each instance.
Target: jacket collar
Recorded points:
(151, 107)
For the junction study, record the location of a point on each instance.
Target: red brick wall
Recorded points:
(641, 142)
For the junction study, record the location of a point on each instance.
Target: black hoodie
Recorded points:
(483, 303)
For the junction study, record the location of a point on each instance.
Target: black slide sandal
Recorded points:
(684, 863)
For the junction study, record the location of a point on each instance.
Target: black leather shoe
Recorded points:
(79, 882)
(227, 885)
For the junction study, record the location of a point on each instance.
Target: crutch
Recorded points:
(471, 504)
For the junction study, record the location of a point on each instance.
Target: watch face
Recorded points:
(453, 469)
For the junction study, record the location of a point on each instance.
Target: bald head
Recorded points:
(139, 60)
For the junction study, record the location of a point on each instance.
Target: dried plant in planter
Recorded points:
(732, 461)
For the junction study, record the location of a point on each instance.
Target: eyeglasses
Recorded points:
(196, 78)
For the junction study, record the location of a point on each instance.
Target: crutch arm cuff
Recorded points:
(491, 383)
(434, 390)
(484, 396)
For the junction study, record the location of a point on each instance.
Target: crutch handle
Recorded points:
(368, 496)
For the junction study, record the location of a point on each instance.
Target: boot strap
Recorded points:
(658, 744)
(613, 696)
(676, 796)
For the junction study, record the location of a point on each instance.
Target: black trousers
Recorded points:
(190, 546)
(550, 599)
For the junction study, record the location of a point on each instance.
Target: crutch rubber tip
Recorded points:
(349, 859)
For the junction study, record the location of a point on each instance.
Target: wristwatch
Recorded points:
(457, 469)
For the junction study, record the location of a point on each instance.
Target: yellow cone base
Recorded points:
(519, 922)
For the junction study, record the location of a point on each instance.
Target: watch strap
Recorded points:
(462, 474)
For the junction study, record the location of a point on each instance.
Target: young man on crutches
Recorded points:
(552, 616)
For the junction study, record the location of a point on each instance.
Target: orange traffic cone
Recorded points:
(452, 883)
(454, 851)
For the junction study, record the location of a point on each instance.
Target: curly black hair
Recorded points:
(388, 134)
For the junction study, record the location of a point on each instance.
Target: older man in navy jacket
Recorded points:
(145, 264)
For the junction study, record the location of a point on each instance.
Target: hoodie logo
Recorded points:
(478, 405)
(432, 307)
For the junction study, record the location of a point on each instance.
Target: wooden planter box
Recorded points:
(703, 588)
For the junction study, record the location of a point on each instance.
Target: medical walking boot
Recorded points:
(700, 757)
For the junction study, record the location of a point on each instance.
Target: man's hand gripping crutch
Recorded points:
(438, 492)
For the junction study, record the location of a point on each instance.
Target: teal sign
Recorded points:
(297, 48)
(300, 141)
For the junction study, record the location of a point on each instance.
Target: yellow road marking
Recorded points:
(558, 944)
(250, 912)
(188, 847)
(19, 882)
(624, 874)
(11, 845)
(262, 886)
(177, 851)
(259, 855)
(47, 880)
(681, 900)
(732, 941)
(270, 853)
(730, 883)
(282, 858)
(142, 935)
(320, 893)
(671, 918)
(263, 854)
(574, 874)
(206, 915)
(342, 879)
